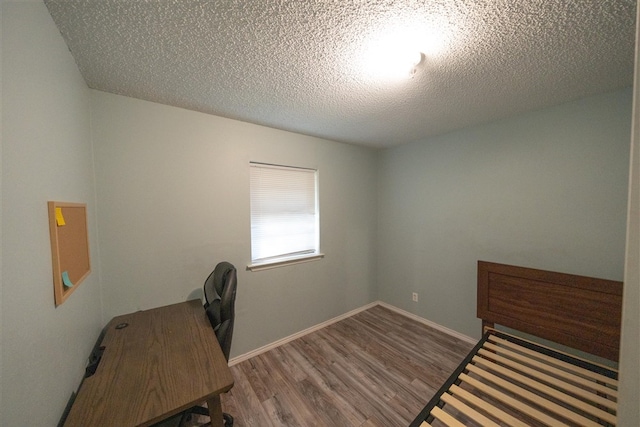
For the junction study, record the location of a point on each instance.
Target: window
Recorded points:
(284, 215)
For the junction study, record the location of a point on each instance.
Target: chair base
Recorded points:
(199, 410)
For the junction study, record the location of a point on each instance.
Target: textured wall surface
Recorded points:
(302, 66)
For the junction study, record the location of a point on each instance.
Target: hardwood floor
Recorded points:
(374, 369)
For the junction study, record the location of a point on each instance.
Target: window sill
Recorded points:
(283, 262)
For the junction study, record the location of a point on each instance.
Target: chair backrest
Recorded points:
(220, 294)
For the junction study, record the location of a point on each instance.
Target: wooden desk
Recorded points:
(166, 360)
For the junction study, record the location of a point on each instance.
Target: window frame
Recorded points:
(284, 258)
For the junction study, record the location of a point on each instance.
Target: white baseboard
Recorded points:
(434, 325)
(278, 343)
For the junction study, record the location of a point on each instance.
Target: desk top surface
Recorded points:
(164, 361)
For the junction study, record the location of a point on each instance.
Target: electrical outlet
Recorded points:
(415, 297)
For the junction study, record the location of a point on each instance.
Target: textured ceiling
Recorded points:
(300, 65)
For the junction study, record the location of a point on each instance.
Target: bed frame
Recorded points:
(509, 380)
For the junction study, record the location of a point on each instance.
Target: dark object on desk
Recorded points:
(94, 357)
(220, 295)
(94, 361)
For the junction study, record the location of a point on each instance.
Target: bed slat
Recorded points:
(516, 366)
(594, 375)
(576, 379)
(446, 418)
(487, 407)
(532, 397)
(514, 403)
(468, 411)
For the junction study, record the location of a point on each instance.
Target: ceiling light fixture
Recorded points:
(395, 51)
(419, 60)
(387, 61)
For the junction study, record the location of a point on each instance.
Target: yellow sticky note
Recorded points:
(59, 217)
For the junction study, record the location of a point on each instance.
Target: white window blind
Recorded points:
(284, 213)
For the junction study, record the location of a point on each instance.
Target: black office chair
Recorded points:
(220, 295)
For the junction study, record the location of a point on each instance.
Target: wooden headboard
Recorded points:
(580, 312)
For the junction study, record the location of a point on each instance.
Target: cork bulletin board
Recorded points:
(69, 247)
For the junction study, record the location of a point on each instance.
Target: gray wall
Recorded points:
(628, 409)
(544, 190)
(46, 155)
(173, 195)
(1, 139)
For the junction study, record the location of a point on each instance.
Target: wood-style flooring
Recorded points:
(376, 368)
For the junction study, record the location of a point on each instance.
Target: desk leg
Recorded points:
(215, 411)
